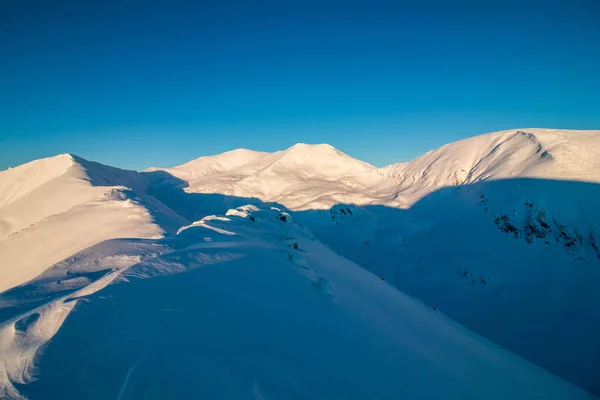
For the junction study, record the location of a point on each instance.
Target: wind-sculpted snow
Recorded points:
(61, 205)
(209, 274)
(268, 312)
(461, 228)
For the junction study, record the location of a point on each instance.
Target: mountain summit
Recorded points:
(257, 275)
(319, 176)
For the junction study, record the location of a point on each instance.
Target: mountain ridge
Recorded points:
(84, 201)
(323, 301)
(542, 153)
(503, 221)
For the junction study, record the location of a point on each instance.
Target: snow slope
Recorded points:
(211, 165)
(516, 261)
(515, 209)
(319, 176)
(52, 208)
(250, 306)
(540, 153)
(303, 176)
(499, 232)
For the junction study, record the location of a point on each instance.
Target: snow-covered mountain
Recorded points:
(304, 176)
(537, 153)
(515, 209)
(248, 305)
(499, 232)
(319, 176)
(55, 207)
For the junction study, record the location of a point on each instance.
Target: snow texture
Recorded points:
(282, 275)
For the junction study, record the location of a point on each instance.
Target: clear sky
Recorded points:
(135, 84)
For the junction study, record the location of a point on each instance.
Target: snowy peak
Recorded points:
(539, 153)
(63, 204)
(18, 181)
(210, 165)
(303, 151)
(319, 176)
(322, 160)
(317, 160)
(575, 154)
(302, 176)
(513, 259)
(313, 150)
(497, 154)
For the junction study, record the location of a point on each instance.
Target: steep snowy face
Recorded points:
(515, 260)
(39, 189)
(17, 182)
(54, 207)
(575, 155)
(495, 155)
(501, 233)
(248, 305)
(542, 153)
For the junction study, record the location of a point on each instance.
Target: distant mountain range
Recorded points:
(240, 274)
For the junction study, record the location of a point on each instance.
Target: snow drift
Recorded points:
(245, 306)
(241, 273)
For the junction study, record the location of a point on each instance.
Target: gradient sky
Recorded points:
(135, 84)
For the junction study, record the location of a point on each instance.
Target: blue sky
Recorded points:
(135, 84)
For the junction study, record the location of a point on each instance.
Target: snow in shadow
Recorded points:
(246, 320)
